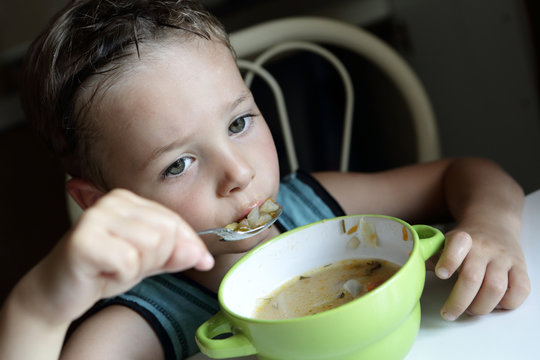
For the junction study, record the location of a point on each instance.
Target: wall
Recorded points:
(20, 21)
(477, 62)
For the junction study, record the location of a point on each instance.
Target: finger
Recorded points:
(206, 262)
(165, 242)
(519, 288)
(189, 251)
(456, 247)
(467, 285)
(186, 248)
(492, 290)
(119, 262)
(165, 230)
(143, 236)
(157, 233)
(153, 244)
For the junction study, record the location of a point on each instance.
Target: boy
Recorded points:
(144, 104)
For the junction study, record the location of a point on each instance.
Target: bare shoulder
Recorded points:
(115, 332)
(408, 192)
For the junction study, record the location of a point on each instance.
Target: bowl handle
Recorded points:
(235, 345)
(431, 240)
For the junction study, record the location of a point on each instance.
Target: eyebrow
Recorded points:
(163, 149)
(245, 95)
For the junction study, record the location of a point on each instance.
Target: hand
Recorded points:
(115, 244)
(492, 270)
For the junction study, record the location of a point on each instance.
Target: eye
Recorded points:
(240, 124)
(178, 167)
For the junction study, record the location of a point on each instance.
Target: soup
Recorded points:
(325, 288)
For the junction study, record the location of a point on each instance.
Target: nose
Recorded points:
(235, 171)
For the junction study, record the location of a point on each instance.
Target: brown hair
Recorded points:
(97, 37)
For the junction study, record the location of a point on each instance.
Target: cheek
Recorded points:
(271, 162)
(267, 161)
(262, 141)
(192, 205)
(268, 149)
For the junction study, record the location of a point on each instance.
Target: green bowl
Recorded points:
(382, 324)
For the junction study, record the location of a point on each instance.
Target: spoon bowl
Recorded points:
(232, 235)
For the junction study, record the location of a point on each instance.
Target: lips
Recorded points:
(248, 209)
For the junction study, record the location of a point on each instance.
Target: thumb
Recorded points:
(456, 247)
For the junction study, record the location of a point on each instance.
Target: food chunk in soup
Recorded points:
(257, 217)
(325, 288)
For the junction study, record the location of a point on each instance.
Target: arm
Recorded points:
(116, 243)
(133, 337)
(24, 334)
(484, 246)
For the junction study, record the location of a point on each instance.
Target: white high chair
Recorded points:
(264, 42)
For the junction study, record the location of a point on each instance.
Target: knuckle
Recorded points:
(111, 197)
(119, 193)
(496, 285)
(471, 278)
(152, 237)
(478, 310)
(170, 225)
(511, 303)
(524, 287)
(129, 264)
(91, 215)
(181, 230)
(521, 288)
(450, 261)
(461, 237)
(114, 197)
(154, 240)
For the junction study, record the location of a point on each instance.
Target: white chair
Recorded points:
(264, 42)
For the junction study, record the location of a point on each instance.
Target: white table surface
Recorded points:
(501, 335)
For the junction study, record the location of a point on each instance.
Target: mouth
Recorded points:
(262, 215)
(244, 213)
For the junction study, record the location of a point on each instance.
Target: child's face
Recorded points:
(183, 129)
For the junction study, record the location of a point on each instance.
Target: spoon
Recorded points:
(232, 235)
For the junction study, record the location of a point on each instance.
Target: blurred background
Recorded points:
(478, 60)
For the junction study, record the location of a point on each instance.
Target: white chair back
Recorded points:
(263, 42)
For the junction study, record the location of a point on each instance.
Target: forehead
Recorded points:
(177, 80)
(158, 65)
(163, 94)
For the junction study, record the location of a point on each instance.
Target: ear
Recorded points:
(84, 192)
